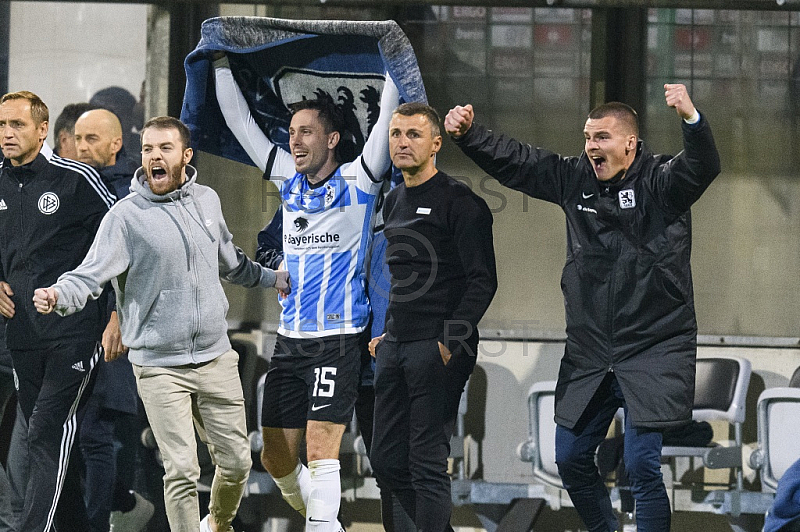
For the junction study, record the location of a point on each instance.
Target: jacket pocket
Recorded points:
(672, 286)
(213, 309)
(169, 327)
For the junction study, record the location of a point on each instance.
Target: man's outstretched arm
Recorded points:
(240, 121)
(376, 150)
(685, 177)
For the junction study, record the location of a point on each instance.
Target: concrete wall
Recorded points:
(67, 51)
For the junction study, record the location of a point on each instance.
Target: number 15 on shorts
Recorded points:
(323, 382)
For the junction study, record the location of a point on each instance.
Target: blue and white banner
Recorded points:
(278, 62)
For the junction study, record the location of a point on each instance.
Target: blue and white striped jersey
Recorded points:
(327, 229)
(326, 232)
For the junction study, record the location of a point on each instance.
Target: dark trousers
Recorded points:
(7, 519)
(52, 383)
(17, 467)
(416, 403)
(575, 451)
(108, 445)
(398, 520)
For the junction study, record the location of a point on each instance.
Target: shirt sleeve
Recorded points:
(682, 180)
(471, 223)
(374, 161)
(240, 121)
(236, 267)
(536, 172)
(270, 242)
(107, 258)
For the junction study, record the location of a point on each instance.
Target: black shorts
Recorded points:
(313, 378)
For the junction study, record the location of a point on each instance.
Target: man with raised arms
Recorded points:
(328, 207)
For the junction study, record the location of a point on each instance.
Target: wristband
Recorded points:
(695, 118)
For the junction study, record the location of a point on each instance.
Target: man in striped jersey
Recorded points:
(328, 205)
(50, 209)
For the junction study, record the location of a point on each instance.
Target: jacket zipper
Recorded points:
(196, 281)
(610, 309)
(611, 306)
(22, 224)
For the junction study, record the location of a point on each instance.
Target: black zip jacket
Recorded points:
(49, 213)
(627, 281)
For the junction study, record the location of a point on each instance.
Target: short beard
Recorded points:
(174, 182)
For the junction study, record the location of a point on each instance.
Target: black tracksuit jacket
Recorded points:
(49, 213)
(627, 280)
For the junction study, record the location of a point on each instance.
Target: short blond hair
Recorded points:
(39, 111)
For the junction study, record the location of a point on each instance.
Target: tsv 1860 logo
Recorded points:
(48, 203)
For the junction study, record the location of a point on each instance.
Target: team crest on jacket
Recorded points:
(48, 203)
(627, 199)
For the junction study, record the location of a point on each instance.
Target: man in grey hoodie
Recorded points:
(164, 248)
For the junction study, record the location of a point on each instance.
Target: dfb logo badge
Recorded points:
(48, 203)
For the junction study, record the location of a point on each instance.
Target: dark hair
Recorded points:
(417, 108)
(329, 115)
(168, 122)
(66, 120)
(39, 111)
(332, 120)
(622, 112)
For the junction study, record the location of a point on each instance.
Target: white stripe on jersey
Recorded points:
(348, 286)
(327, 262)
(90, 174)
(301, 268)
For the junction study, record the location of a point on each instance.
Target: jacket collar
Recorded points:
(34, 167)
(636, 166)
(123, 165)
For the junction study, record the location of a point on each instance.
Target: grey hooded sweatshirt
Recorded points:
(164, 256)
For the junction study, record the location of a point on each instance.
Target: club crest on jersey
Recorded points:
(330, 193)
(627, 199)
(48, 203)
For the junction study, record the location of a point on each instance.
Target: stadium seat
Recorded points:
(720, 393)
(721, 385)
(778, 414)
(540, 447)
